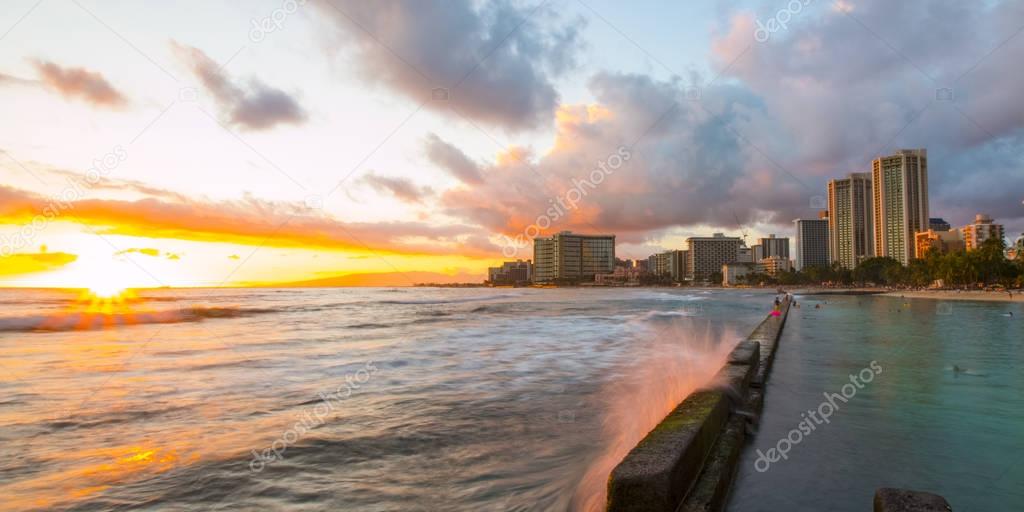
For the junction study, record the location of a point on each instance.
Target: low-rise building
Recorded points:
(983, 228)
(669, 263)
(734, 273)
(940, 241)
(621, 276)
(774, 265)
(1016, 250)
(511, 272)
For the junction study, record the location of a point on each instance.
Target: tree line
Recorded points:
(986, 265)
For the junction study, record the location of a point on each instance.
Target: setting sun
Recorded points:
(105, 290)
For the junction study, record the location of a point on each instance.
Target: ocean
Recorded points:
(485, 399)
(344, 399)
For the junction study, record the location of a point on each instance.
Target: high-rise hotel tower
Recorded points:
(850, 219)
(900, 199)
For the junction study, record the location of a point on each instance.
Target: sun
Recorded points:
(106, 290)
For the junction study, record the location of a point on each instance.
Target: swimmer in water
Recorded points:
(965, 371)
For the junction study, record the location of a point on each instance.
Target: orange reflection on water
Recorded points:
(94, 471)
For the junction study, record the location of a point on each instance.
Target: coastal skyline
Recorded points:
(294, 141)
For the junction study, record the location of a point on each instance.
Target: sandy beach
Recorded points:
(1018, 295)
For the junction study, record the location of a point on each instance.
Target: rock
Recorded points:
(902, 500)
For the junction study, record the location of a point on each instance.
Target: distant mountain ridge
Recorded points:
(385, 279)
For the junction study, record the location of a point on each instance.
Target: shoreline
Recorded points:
(975, 295)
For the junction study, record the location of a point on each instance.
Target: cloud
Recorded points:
(79, 83)
(842, 86)
(111, 183)
(496, 59)
(257, 107)
(249, 221)
(31, 263)
(686, 167)
(402, 188)
(144, 251)
(453, 160)
(8, 79)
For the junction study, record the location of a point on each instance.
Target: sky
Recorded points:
(238, 143)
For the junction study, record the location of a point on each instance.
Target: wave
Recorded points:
(662, 315)
(367, 326)
(85, 321)
(449, 301)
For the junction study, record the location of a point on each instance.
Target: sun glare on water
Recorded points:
(106, 291)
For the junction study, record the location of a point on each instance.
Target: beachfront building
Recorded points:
(708, 254)
(772, 246)
(811, 243)
(621, 276)
(511, 272)
(900, 198)
(850, 219)
(981, 229)
(1016, 250)
(775, 265)
(938, 224)
(745, 255)
(735, 273)
(624, 263)
(572, 258)
(939, 241)
(669, 263)
(756, 253)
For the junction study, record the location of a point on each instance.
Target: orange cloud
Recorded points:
(79, 83)
(30, 263)
(145, 251)
(249, 221)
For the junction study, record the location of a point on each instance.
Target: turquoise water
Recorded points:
(918, 424)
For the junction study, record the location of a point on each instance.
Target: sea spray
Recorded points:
(682, 355)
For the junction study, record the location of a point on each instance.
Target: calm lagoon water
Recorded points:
(374, 399)
(919, 424)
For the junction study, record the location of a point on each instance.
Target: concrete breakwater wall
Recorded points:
(687, 463)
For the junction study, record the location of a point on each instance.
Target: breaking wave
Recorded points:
(87, 321)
